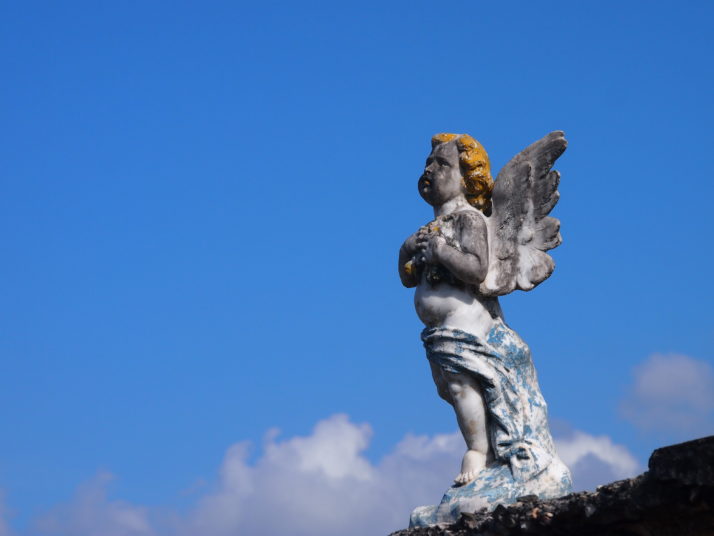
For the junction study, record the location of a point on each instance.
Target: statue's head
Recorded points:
(457, 165)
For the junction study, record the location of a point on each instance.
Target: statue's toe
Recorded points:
(465, 477)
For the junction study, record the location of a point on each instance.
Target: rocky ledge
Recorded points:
(675, 497)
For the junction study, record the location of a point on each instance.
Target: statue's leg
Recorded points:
(442, 386)
(467, 399)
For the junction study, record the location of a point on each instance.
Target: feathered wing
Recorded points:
(519, 228)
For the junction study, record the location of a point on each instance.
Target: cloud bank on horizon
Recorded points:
(322, 483)
(313, 485)
(672, 394)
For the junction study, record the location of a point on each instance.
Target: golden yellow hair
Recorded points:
(475, 168)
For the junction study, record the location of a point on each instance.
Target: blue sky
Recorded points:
(203, 204)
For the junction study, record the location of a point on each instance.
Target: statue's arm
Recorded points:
(408, 273)
(469, 263)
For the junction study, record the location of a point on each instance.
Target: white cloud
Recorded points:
(319, 484)
(91, 513)
(595, 460)
(322, 484)
(673, 396)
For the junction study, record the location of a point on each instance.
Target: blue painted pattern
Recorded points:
(525, 459)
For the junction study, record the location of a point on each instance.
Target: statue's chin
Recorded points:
(426, 196)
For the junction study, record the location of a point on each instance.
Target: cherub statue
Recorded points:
(486, 240)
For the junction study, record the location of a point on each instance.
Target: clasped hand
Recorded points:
(427, 244)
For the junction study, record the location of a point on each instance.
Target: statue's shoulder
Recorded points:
(465, 230)
(466, 222)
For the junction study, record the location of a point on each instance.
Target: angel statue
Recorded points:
(486, 240)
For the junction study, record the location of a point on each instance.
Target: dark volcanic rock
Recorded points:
(688, 463)
(675, 497)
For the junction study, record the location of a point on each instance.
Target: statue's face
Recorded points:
(441, 180)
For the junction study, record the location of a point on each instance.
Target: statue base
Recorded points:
(495, 485)
(675, 496)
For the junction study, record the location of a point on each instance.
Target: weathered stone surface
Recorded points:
(486, 240)
(675, 497)
(684, 462)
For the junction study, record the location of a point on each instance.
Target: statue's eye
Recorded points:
(444, 162)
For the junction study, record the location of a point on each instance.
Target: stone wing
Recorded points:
(519, 228)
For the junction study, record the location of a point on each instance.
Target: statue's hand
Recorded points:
(411, 245)
(411, 259)
(429, 245)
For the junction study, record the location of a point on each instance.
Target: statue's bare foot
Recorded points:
(472, 464)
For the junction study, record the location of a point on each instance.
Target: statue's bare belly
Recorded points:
(446, 306)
